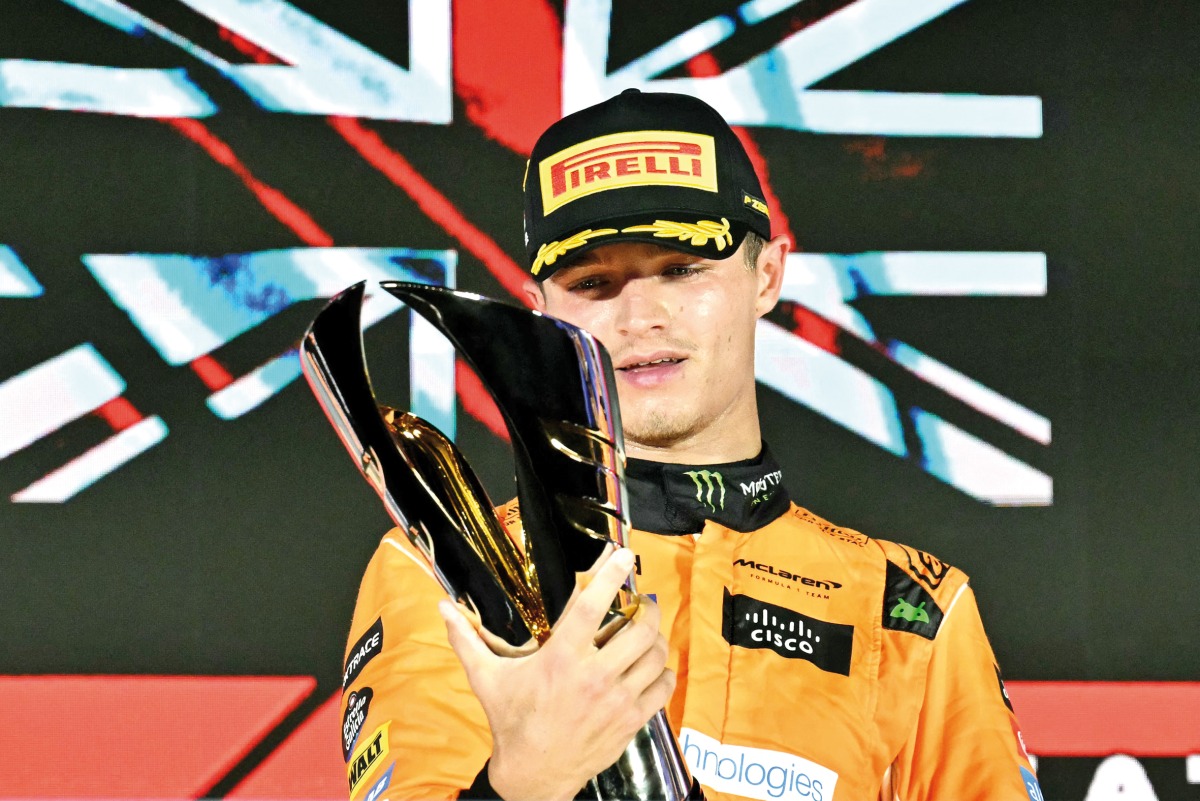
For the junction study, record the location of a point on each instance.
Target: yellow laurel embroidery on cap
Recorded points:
(697, 233)
(548, 253)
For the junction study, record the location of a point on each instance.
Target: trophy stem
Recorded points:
(651, 769)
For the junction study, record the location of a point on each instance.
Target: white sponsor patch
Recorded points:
(755, 772)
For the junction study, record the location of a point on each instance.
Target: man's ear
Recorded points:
(534, 294)
(769, 272)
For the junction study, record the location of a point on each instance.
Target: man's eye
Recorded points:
(681, 270)
(586, 284)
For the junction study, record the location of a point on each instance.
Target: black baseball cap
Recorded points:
(644, 167)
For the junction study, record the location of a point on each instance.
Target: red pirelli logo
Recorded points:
(633, 158)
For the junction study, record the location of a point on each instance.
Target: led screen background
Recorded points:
(985, 350)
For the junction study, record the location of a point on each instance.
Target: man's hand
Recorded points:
(567, 711)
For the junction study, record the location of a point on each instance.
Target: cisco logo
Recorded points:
(751, 623)
(790, 635)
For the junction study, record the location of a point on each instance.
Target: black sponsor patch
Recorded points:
(353, 718)
(907, 606)
(367, 648)
(1004, 695)
(751, 623)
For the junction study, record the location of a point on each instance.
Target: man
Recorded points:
(795, 659)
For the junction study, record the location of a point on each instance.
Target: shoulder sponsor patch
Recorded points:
(907, 606)
(378, 787)
(631, 158)
(755, 772)
(843, 534)
(751, 623)
(368, 757)
(367, 648)
(926, 567)
(353, 718)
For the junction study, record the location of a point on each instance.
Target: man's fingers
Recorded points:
(500, 647)
(585, 578)
(576, 629)
(606, 553)
(609, 629)
(470, 648)
(647, 667)
(656, 696)
(634, 640)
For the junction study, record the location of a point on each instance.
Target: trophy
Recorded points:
(554, 386)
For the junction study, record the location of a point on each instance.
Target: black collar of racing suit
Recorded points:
(679, 498)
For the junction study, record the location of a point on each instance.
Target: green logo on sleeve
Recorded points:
(913, 614)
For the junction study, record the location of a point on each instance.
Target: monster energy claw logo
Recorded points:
(707, 480)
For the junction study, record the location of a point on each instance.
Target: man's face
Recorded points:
(680, 330)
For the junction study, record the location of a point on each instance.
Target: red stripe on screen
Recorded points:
(477, 401)
(275, 202)
(432, 202)
(118, 413)
(134, 736)
(508, 68)
(211, 372)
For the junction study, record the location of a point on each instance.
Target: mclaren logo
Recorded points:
(787, 575)
(633, 158)
(708, 483)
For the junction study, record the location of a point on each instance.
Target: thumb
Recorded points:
(468, 646)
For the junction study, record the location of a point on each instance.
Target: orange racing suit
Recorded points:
(813, 662)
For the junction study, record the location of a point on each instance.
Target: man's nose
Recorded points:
(643, 308)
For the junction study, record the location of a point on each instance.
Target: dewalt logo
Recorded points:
(368, 757)
(707, 483)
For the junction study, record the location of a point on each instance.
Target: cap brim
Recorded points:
(710, 239)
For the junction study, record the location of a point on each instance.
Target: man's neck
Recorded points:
(718, 443)
(671, 454)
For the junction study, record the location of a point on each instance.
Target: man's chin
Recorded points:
(658, 430)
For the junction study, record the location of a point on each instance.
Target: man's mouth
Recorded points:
(642, 365)
(650, 370)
